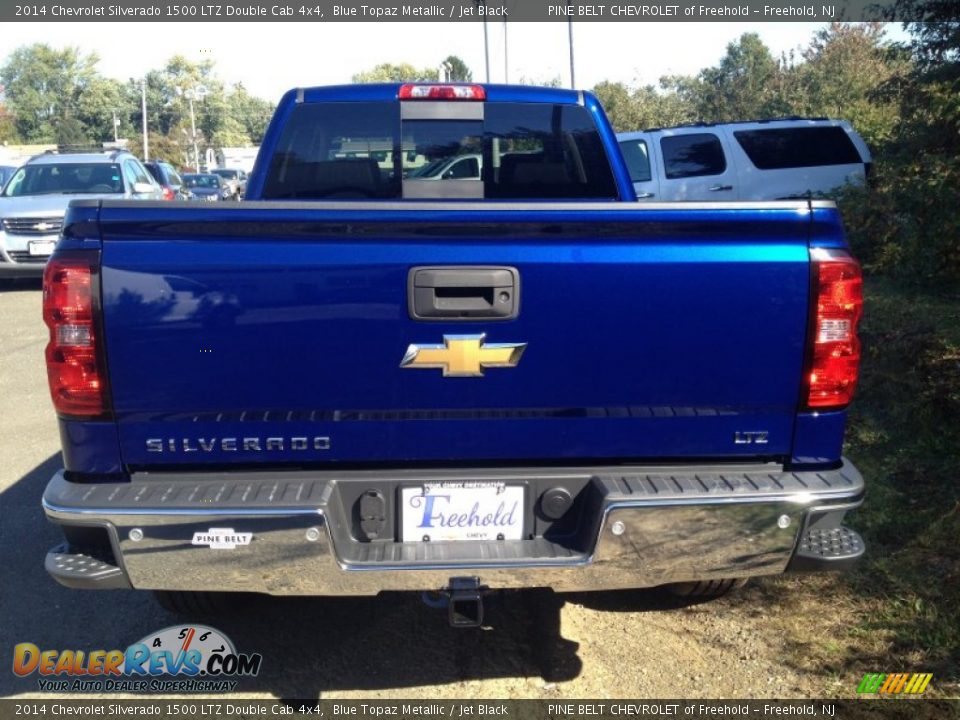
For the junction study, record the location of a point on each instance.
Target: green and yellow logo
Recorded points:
(894, 683)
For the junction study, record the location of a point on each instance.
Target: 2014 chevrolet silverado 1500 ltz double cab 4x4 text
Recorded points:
(363, 380)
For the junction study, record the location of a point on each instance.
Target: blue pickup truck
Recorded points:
(365, 380)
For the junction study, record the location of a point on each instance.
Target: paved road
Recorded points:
(538, 645)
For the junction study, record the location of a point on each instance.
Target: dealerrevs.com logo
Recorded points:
(181, 658)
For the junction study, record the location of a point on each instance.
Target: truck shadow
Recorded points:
(20, 284)
(395, 641)
(310, 646)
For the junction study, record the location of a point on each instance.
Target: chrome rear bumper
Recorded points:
(636, 527)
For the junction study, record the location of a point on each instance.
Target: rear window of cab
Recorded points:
(506, 151)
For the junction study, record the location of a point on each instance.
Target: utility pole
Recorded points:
(193, 133)
(197, 92)
(506, 57)
(143, 112)
(115, 123)
(486, 39)
(573, 80)
(486, 48)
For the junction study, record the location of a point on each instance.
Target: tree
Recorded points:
(459, 72)
(102, 100)
(251, 112)
(54, 95)
(907, 223)
(554, 82)
(8, 127)
(645, 107)
(224, 117)
(851, 74)
(388, 72)
(931, 98)
(231, 133)
(44, 88)
(936, 34)
(740, 87)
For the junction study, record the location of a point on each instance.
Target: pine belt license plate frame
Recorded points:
(462, 511)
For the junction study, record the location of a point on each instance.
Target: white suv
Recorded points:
(756, 160)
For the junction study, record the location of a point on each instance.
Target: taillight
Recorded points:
(442, 92)
(168, 193)
(73, 366)
(833, 362)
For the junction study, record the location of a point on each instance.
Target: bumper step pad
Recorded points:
(827, 549)
(76, 569)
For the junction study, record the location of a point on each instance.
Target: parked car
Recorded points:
(35, 199)
(5, 172)
(526, 381)
(756, 160)
(465, 167)
(207, 186)
(236, 180)
(169, 179)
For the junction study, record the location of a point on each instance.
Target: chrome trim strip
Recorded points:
(65, 513)
(802, 206)
(803, 498)
(819, 254)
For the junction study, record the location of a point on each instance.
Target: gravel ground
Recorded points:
(539, 645)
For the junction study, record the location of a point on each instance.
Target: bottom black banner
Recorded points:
(212, 708)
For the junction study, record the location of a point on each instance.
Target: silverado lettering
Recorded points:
(234, 444)
(676, 418)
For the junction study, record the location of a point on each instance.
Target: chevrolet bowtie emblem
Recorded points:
(463, 355)
(41, 226)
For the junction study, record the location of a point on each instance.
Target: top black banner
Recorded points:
(451, 11)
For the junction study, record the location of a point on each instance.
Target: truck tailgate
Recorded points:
(274, 333)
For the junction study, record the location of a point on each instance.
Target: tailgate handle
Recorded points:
(463, 293)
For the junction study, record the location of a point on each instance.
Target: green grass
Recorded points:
(904, 435)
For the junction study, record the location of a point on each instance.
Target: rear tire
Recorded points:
(199, 603)
(705, 589)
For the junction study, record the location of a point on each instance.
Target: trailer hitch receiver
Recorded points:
(465, 602)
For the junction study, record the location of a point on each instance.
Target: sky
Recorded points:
(270, 58)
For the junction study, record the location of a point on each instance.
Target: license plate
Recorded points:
(461, 511)
(41, 247)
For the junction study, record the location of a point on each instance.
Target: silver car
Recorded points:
(35, 199)
(235, 179)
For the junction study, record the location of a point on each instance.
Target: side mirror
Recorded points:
(142, 188)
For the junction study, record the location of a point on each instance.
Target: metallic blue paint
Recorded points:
(90, 447)
(826, 229)
(655, 335)
(818, 438)
(621, 174)
(80, 226)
